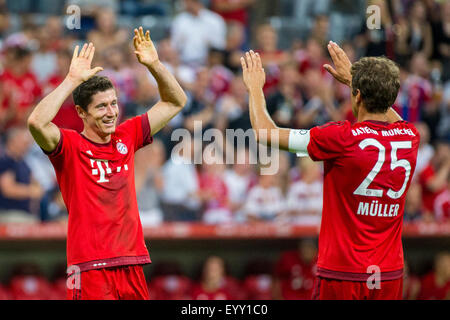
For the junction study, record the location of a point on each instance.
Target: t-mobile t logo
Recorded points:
(101, 168)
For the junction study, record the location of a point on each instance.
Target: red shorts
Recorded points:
(119, 283)
(332, 289)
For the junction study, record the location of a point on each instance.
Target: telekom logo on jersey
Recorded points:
(101, 168)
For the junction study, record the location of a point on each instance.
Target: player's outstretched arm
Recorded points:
(172, 96)
(342, 72)
(46, 133)
(265, 128)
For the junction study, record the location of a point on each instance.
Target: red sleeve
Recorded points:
(328, 141)
(60, 147)
(60, 154)
(139, 128)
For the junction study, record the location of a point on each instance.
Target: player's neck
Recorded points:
(94, 137)
(363, 115)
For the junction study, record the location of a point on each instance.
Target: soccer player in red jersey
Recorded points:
(95, 172)
(367, 171)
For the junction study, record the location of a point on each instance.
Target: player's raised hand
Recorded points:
(342, 65)
(80, 68)
(253, 72)
(144, 48)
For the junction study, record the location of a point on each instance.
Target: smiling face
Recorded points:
(102, 113)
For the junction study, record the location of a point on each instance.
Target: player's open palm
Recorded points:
(144, 48)
(80, 68)
(253, 72)
(342, 65)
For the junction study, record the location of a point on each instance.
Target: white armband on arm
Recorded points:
(298, 142)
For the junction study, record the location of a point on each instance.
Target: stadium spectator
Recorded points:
(20, 88)
(179, 200)
(411, 284)
(272, 57)
(416, 90)
(294, 272)
(345, 18)
(305, 12)
(434, 177)
(122, 76)
(200, 106)
(441, 38)
(27, 282)
(169, 282)
(53, 207)
(239, 179)
(67, 117)
(195, 30)
(304, 198)
(258, 281)
(54, 28)
(442, 205)
(169, 56)
(5, 21)
(426, 150)
(232, 107)
(58, 282)
(443, 127)
(213, 190)
(414, 34)
(311, 57)
(319, 106)
(140, 8)
(378, 41)
(4, 293)
(286, 100)
(89, 11)
(18, 189)
(43, 62)
(107, 33)
(320, 31)
(220, 76)
(149, 182)
(233, 49)
(214, 283)
(265, 201)
(435, 285)
(413, 204)
(233, 10)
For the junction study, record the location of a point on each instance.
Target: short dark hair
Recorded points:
(82, 95)
(378, 80)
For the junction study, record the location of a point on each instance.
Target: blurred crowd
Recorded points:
(201, 43)
(290, 277)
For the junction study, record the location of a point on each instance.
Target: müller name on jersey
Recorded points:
(376, 209)
(384, 133)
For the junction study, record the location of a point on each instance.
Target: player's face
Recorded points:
(102, 112)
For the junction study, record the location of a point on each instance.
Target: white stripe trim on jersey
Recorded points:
(298, 142)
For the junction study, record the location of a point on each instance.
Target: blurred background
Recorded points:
(221, 231)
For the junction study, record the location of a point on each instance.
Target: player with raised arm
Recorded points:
(95, 172)
(367, 171)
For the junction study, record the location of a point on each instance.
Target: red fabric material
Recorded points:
(121, 283)
(331, 289)
(367, 166)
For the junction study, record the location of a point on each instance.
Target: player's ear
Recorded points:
(81, 112)
(358, 97)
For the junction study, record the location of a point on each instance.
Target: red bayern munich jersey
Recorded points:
(97, 185)
(367, 171)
